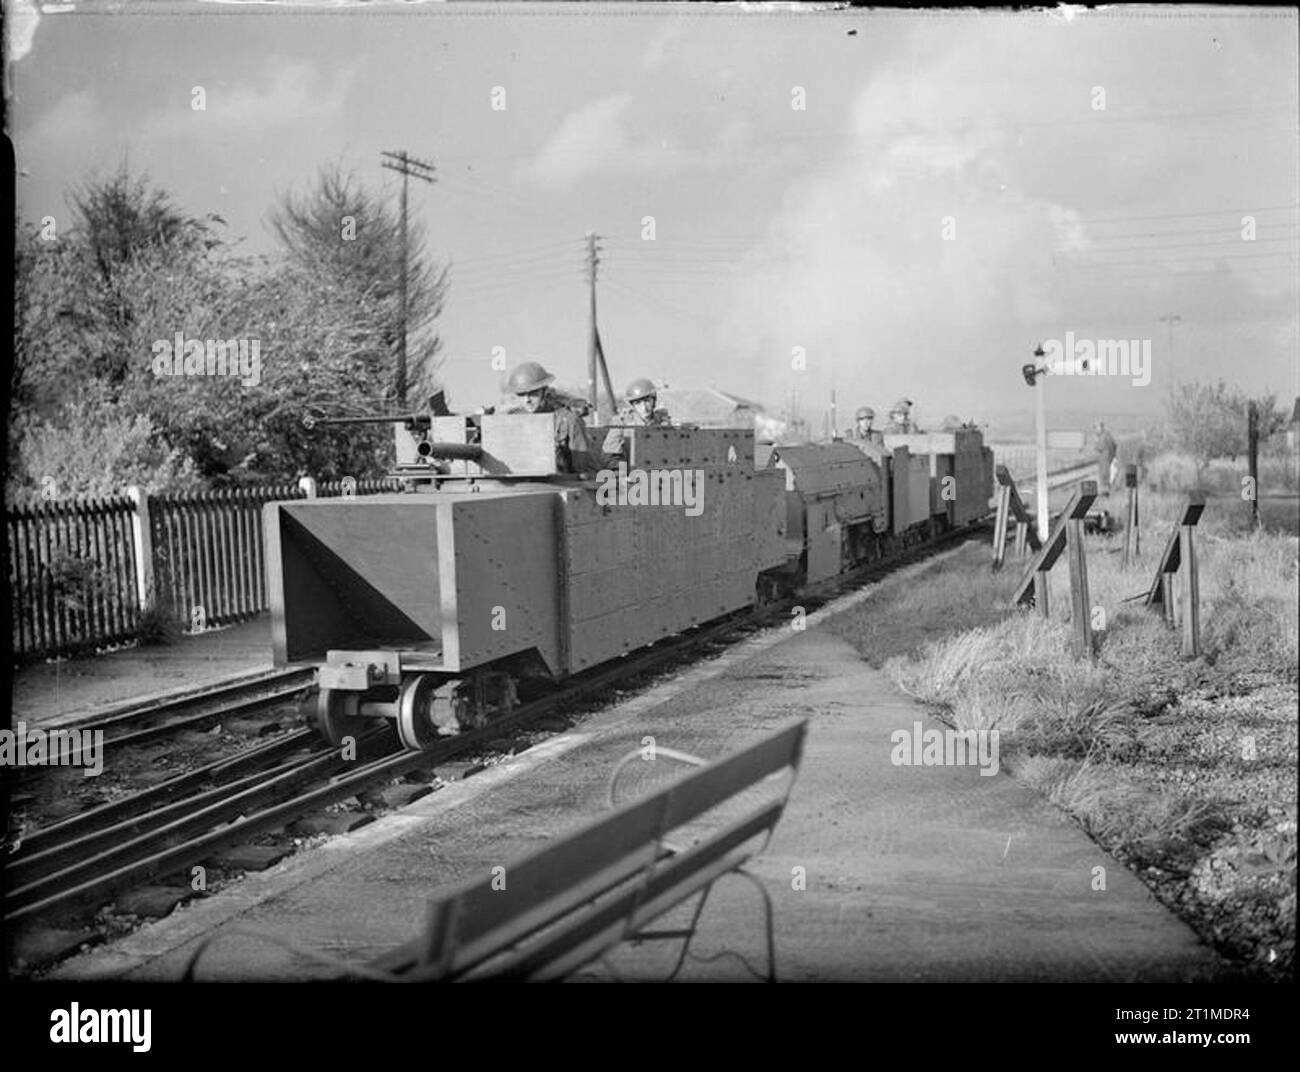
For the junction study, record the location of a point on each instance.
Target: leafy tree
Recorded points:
(121, 217)
(1210, 420)
(319, 355)
(1207, 420)
(352, 237)
(117, 224)
(93, 305)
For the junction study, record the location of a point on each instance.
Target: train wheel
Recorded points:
(415, 725)
(333, 714)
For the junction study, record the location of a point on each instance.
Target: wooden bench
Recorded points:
(572, 901)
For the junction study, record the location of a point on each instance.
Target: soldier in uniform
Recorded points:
(639, 412)
(530, 384)
(862, 424)
(900, 418)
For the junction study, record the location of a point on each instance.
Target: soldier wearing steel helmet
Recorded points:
(530, 384)
(638, 412)
(862, 425)
(900, 418)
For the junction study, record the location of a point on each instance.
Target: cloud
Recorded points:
(75, 119)
(661, 45)
(21, 18)
(604, 137)
(856, 267)
(587, 141)
(297, 94)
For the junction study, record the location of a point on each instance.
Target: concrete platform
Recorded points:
(913, 873)
(63, 692)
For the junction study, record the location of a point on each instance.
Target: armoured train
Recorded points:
(492, 570)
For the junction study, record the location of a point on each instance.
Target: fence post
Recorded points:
(1000, 525)
(1190, 591)
(1080, 610)
(307, 485)
(1041, 590)
(1033, 586)
(142, 538)
(1132, 544)
(1183, 606)
(1252, 438)
(1009, 505)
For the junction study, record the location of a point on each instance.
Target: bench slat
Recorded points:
(711, 785)
(571, 943)
(611, 849)
(535, 917)
(611, 840)
(603, 865)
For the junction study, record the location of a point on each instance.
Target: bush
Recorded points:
(158, 626)
(1172, 474)
(1176, 473)
(95, 450)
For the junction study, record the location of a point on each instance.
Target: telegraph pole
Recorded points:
(1171, 319)
(592, 260)
(595, 351)
(408, 167)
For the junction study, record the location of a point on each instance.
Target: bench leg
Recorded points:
(690, 933)
(769, 929)
(769, 922)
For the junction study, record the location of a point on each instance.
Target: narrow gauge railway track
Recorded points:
(139, 723)
(88, 859)
(46, 849)
(1061, 477)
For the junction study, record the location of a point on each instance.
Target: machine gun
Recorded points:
(418, 425)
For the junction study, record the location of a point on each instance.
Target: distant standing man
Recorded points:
(1105, 448)
(530, 384)
(640, 412)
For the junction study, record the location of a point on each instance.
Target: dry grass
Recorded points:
(1182, 769)
(1176, 473)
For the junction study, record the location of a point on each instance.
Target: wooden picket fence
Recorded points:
(83, 572)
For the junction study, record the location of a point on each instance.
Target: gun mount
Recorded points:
(418, 425)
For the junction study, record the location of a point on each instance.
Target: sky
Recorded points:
(883, 203)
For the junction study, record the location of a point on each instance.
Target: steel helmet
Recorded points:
(865, 412)
(902, 403)
(530, 376)
(639, 389)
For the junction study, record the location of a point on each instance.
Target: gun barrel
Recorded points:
(397, 418)
(465, 451)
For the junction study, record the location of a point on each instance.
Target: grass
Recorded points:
(1174, 472)
(1183, 769)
